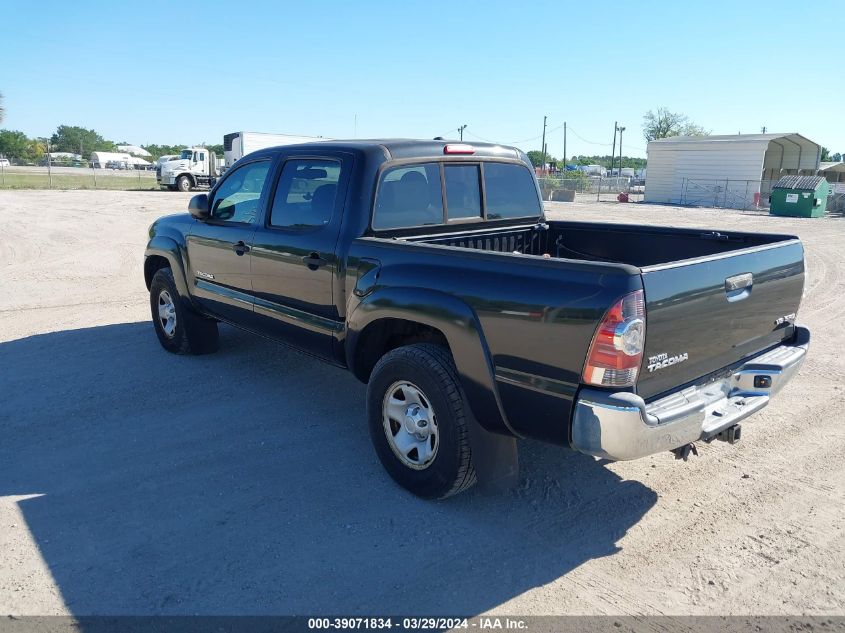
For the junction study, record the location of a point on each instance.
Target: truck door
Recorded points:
(294, 266)
(200, 164)
(219, 248)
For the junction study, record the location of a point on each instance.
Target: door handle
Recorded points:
(314, 261)
(240, 248)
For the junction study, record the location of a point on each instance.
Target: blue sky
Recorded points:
(188, 72)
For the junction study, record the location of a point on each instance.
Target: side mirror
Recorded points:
(198, 206)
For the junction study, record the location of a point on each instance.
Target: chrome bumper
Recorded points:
(622, 426)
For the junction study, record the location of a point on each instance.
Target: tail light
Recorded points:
(616, 351)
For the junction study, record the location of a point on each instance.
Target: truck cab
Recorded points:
(194, 167)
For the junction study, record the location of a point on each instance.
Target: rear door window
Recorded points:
(510, 192)
(409, 196)
(463, 191)
(306, 194)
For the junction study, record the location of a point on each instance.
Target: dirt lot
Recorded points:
(134, 482)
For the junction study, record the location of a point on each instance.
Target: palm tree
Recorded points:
(2, 109)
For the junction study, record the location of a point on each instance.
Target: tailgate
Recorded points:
(708, 313)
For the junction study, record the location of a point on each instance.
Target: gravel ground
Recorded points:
(137, 482)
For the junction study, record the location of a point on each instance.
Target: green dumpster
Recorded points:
(799, 196)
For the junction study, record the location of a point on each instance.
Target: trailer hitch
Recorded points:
(683, 452)
(730, 435)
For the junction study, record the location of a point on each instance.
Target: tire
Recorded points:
(179, 329)
(183, 183)
(420, 382)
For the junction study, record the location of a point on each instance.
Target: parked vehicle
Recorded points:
(593, 170)
(429, 270)
(238, 144)
(195, 167)
(4, 162)
(163, 159)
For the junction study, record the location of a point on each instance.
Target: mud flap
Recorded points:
(495, 458)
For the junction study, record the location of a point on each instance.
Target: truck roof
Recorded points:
(397, 148)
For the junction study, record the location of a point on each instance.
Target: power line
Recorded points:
(602, 144)
(585, 140)
(539, 136)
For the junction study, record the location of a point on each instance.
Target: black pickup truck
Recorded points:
(428, 269)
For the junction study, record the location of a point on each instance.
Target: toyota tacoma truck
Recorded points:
(428, 270)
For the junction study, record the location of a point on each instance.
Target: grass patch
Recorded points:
(127, 182)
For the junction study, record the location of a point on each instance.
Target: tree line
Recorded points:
(74, 140)
(536, 157)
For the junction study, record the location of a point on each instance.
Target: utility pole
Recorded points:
(461, 130)
(613, 152)
(621, 129)
(564, 145)
(543, 164)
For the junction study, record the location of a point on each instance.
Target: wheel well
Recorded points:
(384, 335)
(152, 265)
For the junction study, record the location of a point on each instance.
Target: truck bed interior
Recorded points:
(639, 246)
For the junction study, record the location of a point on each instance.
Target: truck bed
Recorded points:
(640, 246)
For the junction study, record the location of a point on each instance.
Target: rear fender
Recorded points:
(459, 324)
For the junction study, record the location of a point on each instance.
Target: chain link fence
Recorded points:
(746, 195)
(61, 177)
(836, 200)
(590, 188)
(726, 194)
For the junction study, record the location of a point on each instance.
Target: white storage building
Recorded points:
(135, 150)
(735, 171)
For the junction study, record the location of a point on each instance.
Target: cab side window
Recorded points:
(238, 198)
(306, 195)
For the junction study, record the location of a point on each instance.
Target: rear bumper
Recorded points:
(621, 426)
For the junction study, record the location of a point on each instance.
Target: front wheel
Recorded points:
(419, 421)
(179, 330)
(183, 183)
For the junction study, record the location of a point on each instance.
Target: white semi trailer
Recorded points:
(238, 144)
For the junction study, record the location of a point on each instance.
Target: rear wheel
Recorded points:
(179, 329)
(183, 183)
(419, 421)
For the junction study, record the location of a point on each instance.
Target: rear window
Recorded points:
(411, 195)
(463, 192)
(510, 190)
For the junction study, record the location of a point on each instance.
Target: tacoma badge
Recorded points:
(664, 360)
(786, 318)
